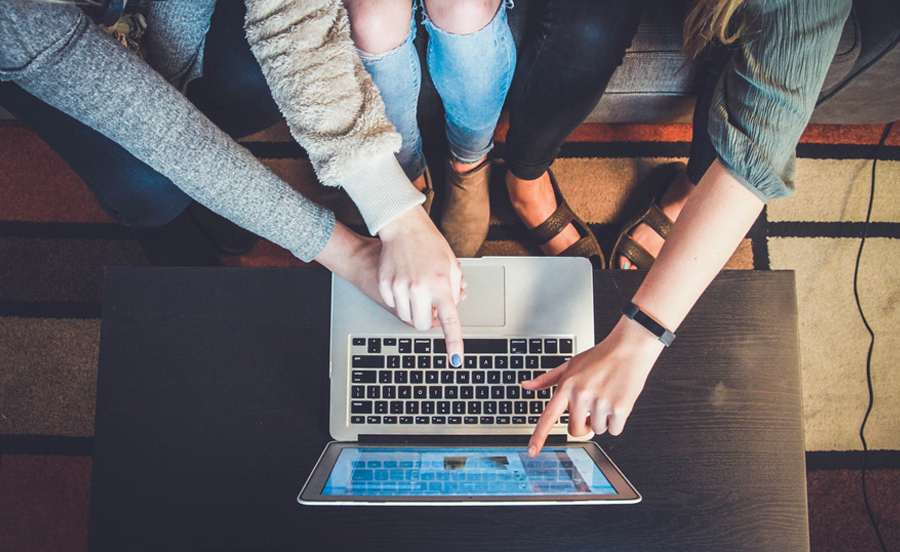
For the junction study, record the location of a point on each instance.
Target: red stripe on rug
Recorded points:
(36, 185)
(46, 502)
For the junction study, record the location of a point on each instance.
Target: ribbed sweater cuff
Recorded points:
(381, 191)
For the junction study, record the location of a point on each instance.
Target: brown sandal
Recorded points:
(586, 247)
(654, 186)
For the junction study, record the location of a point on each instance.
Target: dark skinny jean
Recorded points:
(567, 55)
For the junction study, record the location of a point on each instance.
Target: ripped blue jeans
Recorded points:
(472, 74)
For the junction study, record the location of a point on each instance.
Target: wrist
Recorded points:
(400, 225)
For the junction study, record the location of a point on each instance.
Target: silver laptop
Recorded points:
(414, 430)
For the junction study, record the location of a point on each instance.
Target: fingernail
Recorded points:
(532, 450)
(456, 361)
(626, 265)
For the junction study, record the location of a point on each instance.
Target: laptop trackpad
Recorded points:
(485, 303)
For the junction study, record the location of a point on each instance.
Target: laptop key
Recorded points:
(412, 407)
(454, 420)
(535, 407)
(440, 362)
(404, 392)
(381, 407)
(486, 420)
(373, 419)
(466, 392)
(509, 377)
(431, 377)
(424, 362)
(404, 346)
(482, 392)
(512, 392)
(531, 362)
(357, 419)
(468, 420)
(489, 407)
(374, 345)
(497, 392)
(565, 346)
(535, 346)
(420, 392)
(389, 392)
(533, 419)
(501, 361)
(385, 377)
(358, 391)
(422, 346)
(451, 392)
(447, 376)
(396, 407)
(393, 361)
(363, 376)
(503, 420)
(493, 377)
(373, 392)
(473, 407)
(409, 361)
(360, 407)
(416, 376)
(521, 407)
(518, 346)
(359, 341)
(435, 393)
(459, 407)
(367, 361)
(517, 362)
(406, 419)
(550, 362)
(478, 377)
(421, 420)
(525, 375)
(438, 420)
(475, 345)
(518, 419)
(506, 407)
(427, 407)
(390, 341)
(389, 419)
(485, 361)
(462, 377)
(470, 362)
(443, 407)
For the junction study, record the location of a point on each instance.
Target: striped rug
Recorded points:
(55, 241)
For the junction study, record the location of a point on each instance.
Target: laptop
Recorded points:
(411, 429)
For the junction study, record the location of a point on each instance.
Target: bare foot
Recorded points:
(534, 202)
(672, 203)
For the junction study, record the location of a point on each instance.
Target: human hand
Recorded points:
(420, 278)
(598, 386)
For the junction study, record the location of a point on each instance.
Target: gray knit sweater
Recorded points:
(59, 56)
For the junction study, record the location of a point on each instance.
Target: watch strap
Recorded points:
(659, 331)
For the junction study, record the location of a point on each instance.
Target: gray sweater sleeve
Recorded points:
(767, 93)
(54, 52)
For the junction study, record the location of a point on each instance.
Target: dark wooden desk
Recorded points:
(212, 406)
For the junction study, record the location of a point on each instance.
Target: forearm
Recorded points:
(715, 219)
(94, 80)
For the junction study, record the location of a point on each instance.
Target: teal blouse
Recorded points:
(768, 90)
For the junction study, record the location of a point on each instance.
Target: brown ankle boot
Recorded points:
(467, 209)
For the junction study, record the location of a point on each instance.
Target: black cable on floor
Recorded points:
(862, 428)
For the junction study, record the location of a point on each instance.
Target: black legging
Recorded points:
(568, 53)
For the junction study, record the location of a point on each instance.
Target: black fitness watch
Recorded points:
(659, 331)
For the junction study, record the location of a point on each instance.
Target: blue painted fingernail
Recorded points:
(456, 361)
(626, 265)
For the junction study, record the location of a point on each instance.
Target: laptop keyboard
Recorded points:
(408, 380)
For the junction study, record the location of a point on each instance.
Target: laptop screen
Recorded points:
(492, 471)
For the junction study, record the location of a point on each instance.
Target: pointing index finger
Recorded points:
(552, 412)
(448, 315)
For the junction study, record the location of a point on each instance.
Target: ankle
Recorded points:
(462, 168)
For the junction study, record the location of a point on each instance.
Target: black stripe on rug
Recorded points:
(852, 460)
(832, 229)
(612, 150)
(51, 445)
(759, 245)
(65, 230)
(50, 309)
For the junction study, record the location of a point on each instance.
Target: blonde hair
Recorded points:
(708, 20)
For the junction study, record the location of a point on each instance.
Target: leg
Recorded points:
(570, 51)
(233, 92)
(471, 57)
(383, 32)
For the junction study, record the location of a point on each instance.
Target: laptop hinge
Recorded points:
(507, 440)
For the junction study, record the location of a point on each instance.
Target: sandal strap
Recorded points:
(635, 252)
(555, 223)
(657, 219)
